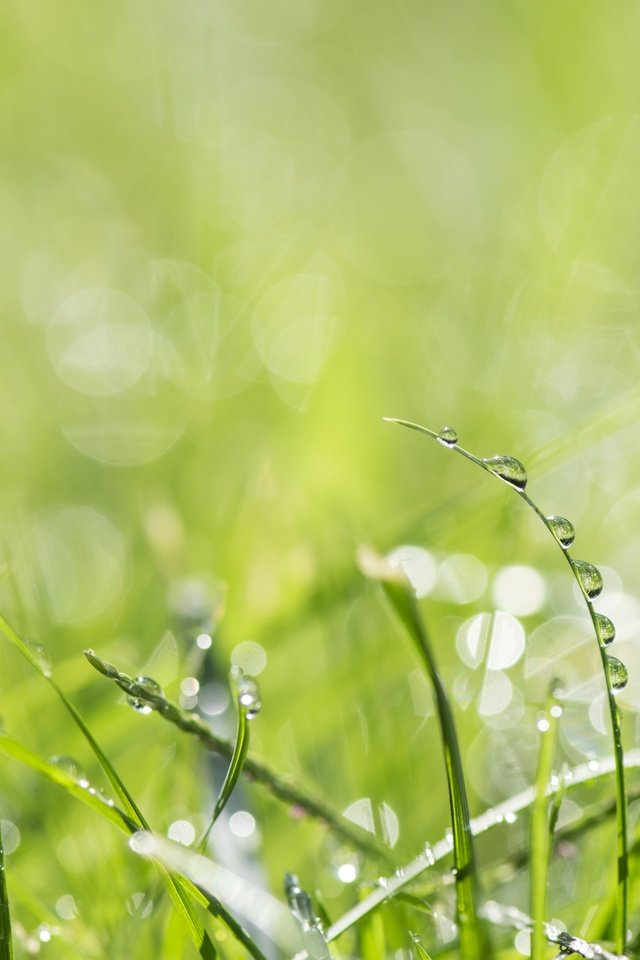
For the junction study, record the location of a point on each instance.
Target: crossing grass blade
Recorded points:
(175, 888)
(283, 789)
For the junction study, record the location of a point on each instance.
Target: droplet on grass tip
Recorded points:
(589, 577)
(508, 469)
(562, 529)
(606, 629)
(249, 697)
(448, 437)
(618, 674)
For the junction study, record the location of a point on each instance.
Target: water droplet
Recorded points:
(41, 657)
(606, 629)
(589, 577)
(448, 437)
(562, 529)
(249, 697)
(508, 469)
(150, 686)
(618, 674)
(140, 706)
(70, 766)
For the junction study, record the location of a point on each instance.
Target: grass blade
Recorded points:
(246, 701)
(590, 583)
(6, 943)
(403, 600)
(542, 826)
(175, 890)
(282, 789)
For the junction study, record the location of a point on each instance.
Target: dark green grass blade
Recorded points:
(234, 770)
(6, 943)
(472, 941)
(175, 889)
(282, 789)
(542, 826)
(614, 712)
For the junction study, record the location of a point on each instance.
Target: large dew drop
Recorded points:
(606, 629)
(149, 685)
(70, 766)
(589, 577)
(41, 657)
(562, 529)
(448, 437)
(508, 469)
(618, 674)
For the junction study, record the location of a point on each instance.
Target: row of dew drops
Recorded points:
(589, 577)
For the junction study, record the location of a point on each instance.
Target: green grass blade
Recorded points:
(225, 890)
(234, 769)
(614, 712)
(281, 788)
(542, 824)
(402, 598)
(6, 942)
(175, 890)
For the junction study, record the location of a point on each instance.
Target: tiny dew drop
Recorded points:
(69, 765)
(562, 529)
(508, 469)
(448, 437)
(150, 686)
(40, 656)
(589, 577)
(618, 674)
(606, 629)
(249, 697)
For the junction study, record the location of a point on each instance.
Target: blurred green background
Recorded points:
(235, 235)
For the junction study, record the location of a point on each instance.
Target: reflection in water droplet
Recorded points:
(70, 766)
(618, 675)
(562, 529)
(606, 629)
(589, 578)
(150, 686)
(448, 437)
(508, 469)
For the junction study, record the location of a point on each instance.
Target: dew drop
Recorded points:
(606, 629)
(562, 529)
(70, 767)
(249, 697)
(448, 437)
(589, 577)
(618, 674)
(508, 469)
(150, 686)
(41, 657)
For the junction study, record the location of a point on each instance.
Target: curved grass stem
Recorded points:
(618, 752)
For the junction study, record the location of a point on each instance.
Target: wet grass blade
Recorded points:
(175, 889)
(282, 789)
(542, 826)
(513, 473)
(402, 598)
(6, 943)
(235, 766)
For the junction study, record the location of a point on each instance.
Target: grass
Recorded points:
(198, 886)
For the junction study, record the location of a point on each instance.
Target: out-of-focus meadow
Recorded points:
(235, 235)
